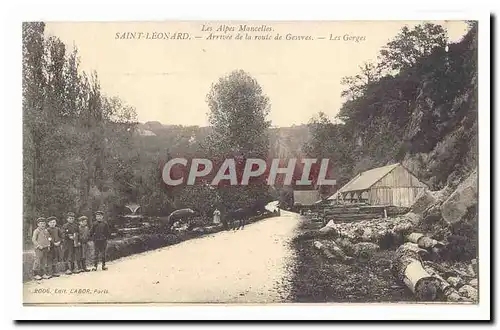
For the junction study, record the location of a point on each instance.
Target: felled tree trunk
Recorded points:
(423, 241)
(328, 230)
(410, 270)
(332, 251)
(326, 252)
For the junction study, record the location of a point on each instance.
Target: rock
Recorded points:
(198, 230)
(364, 250)
(423, 201)
(455, 281)
(452, 295)
(406, 223)
(384, 263)
(329, 227)
(387, 272)
(473, 283)
(468, 292)
(474, 266)
(432, 214)
(465, 196)
(368, 234)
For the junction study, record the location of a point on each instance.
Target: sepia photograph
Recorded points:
(250, 163)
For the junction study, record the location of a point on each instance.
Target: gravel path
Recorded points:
(245, 266)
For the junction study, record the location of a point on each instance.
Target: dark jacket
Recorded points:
(100, 231)
(84, 234)
(56, 234)
(69, 229)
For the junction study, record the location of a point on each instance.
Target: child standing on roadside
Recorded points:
(41, 243)
(56, 236)
(84, 242)
(100, 234)
(70, 230)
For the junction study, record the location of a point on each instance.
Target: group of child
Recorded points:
(70, 244)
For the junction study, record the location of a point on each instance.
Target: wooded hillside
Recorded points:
(416, 105)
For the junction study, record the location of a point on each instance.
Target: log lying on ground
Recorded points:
(328, 230)
(329, 227)
(447, 271)
(422, 253)
(347, 217)
(326, 252)
(331, 251)
(423, 241)
(374, 230)
(410, 270)
(338, 251)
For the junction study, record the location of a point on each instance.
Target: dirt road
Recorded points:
(245, 266)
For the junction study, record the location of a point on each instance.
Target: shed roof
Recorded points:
(365, 180)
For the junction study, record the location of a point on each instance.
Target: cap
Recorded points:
(40, 219)
(70, 214)
(99, 212)
(83, 217)
(51, 218)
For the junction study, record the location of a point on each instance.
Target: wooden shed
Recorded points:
(388, 185)
(305, 197)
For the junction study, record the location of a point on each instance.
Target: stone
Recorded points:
(424, 200)
(465, 195)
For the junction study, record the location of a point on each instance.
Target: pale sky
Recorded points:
(168, 80)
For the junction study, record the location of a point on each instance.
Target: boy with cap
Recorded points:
(56, 237)
(84, 242)
(70, 230)
(41, 243)
(100, 234)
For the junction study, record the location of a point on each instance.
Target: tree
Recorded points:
(356, 85)
(34, 122)
(66, 125)
(238, 111)
(410, 45)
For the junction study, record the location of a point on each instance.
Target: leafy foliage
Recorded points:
(72, 133)
(418, 102)
(238, 110)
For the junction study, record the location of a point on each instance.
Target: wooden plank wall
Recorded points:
(399, 188)
(399, 177)
(405, 196)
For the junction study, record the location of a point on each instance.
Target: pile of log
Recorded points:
(351, 213)
(430, 280)
(374, 230)
(416, 258)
